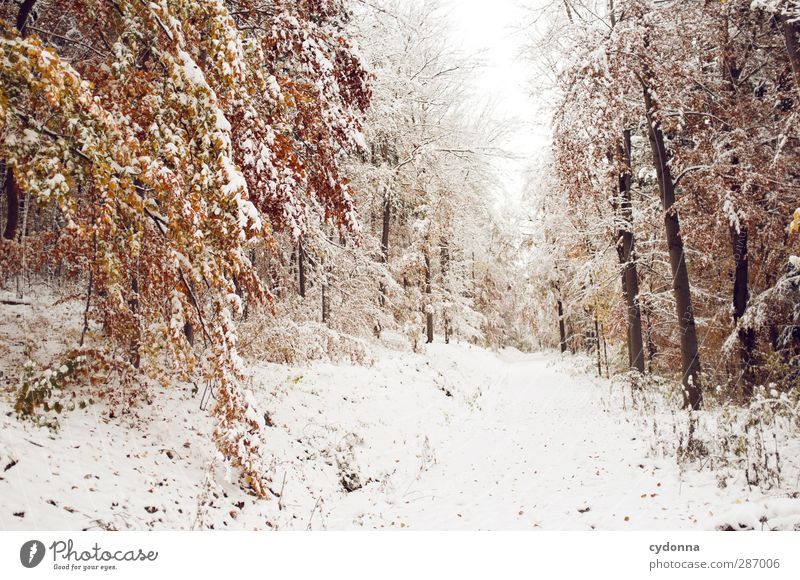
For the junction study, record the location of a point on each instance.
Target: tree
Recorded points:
(172, 139)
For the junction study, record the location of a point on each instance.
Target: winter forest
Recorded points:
(305, 264)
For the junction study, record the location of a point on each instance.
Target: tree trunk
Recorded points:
(739, 237)
(647, 328)
(387, 219)
(625, 296)
(325, 304)
(86, 308)
(791, 32)
(428, 305)
(445, 258)
(325, 290)
(11, 187)
(301, 267)
(133, 304)
(630, 276)
(25, 10)
(597, 343)
(690, 357)
(562, 332)
(741, 295)
(12, 204)
(188, 332)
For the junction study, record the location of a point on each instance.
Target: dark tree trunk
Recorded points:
(428, 305)
(136, 339)
(647, 325)
(562, 332)
(597, 343)
(246, 310)
(572, 341)
(445, 258)
(741, 293)
(325, 290)
(569, 11)
(12, 204)
(625, 296)
(86, 308)
(741, 296)
(630, 276)
(690, 357)
(188, 332)
(791, 34)
(11, 187)
(25, 10)
(739, 237)
(325, 303)
(387, 219)
(301, 267)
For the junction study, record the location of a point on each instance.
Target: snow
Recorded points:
(455, 437)
(191, 71)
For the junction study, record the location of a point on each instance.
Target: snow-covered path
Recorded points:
(543, 453)
(454, 438)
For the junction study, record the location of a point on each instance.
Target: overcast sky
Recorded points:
(495, 29)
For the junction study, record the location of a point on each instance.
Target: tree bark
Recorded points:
(562, 332)
(791, 32)
(731, 73)
(301, 267)
(12, 205)
(387, 219)
(325, 305)
(625, 297)
(86, 308)
(25, 10)
(741, 296)
(445, 259)
(741, 293)
(133, 304)
(626, 244)
(326, 300)
(690, 357)
(428, 305)
(597, 343)
(612, 13)
(11, 187)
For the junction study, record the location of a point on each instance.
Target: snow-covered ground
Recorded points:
(457, 437)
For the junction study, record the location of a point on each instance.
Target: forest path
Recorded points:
(543, 452)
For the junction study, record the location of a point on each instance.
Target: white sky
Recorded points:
(494, 29)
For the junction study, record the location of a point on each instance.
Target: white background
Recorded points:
(410, 555)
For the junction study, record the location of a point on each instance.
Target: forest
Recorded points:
(229, 216)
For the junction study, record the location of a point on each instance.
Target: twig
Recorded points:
(280, 497)
(308, 527)
(14, 302)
